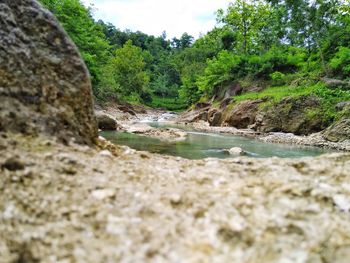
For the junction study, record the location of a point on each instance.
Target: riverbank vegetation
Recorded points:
(292, 45)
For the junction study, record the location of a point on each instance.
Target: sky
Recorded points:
(155, 16)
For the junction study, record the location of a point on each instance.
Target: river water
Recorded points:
(200, 145)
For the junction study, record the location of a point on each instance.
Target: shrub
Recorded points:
(278, 78)
(341, 62)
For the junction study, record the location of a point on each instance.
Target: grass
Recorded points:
(328, 98)
(171, 104)
(278, 93)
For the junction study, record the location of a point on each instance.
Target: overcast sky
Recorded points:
(155, 16)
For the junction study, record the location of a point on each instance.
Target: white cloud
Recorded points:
(155, 16)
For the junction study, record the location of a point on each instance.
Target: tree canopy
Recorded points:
(266, 40)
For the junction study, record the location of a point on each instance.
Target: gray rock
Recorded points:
(301, 116)
(44, 84)
(105, 122)
(338, 131)
(336, 83)
(342, 105)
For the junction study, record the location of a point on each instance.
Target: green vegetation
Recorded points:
(172, 104)
(288, 46)
(328, 97)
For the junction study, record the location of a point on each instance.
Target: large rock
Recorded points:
(243, 114)
(338, 131)
(44, 84)
(300, 116)
(214, 117)
(105, 122)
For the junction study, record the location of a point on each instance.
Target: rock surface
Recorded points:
(163, 134)
(73, 204)
(338, 131)
(300, 116)
(106, 122)
(236, 151)
(243, 114)
(44, 85)
(214, 117)
(336, 83)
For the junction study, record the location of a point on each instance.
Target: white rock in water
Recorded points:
(236, 151)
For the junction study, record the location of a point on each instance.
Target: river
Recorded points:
(200, 145)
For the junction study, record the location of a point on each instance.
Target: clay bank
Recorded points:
(68, 196)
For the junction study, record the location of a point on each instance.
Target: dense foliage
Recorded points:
(278, 42)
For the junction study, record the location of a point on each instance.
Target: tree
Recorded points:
(245, 20)
(185, 41)
(129, 69)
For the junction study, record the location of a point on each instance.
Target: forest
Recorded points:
(279, 44)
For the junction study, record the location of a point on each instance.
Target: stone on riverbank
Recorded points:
(105, 122)
(45, 86)
(338, 131)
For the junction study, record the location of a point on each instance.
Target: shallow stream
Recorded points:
(200, 145)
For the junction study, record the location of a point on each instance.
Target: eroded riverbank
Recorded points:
(138, 124)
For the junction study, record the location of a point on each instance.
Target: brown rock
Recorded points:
(44, 84)
(300, 116)
(202, 105)
(243, 114)
(214, 117)
(224, 103)
(127, 109)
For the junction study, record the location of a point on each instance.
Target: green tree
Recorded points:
(129, 70)
(245, 20)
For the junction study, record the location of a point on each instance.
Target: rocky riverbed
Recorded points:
(138, 124)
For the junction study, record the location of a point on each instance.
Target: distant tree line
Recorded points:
(275, 40)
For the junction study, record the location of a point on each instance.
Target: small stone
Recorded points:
(343, 202)
(175, 199)
(101, 194)
(236, 151)
(106, 153)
